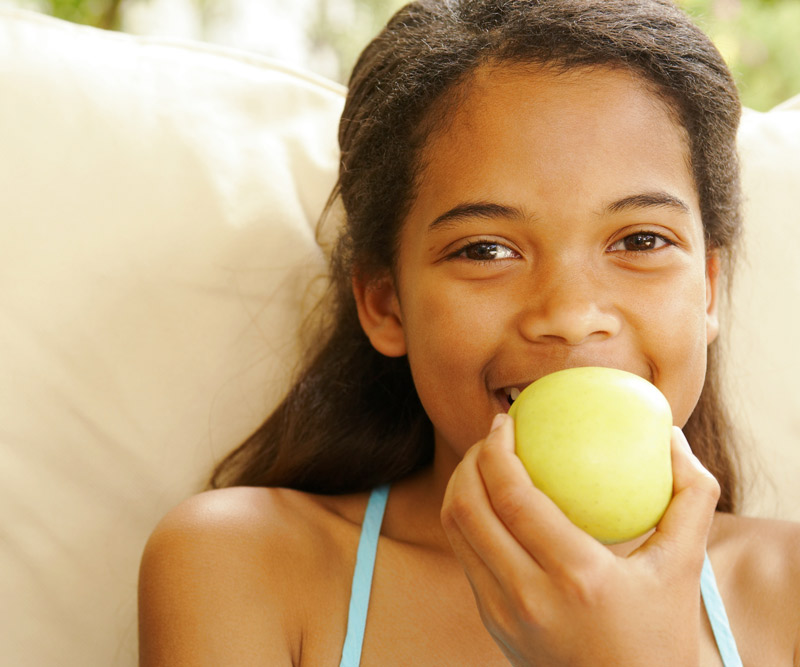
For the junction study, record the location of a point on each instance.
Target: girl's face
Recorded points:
(556, 224)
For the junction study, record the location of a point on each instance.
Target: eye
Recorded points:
(484, 251)
(640, 242)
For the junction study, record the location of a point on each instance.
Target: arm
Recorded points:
(552, 595)
(206, 592)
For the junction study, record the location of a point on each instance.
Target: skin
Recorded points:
(556, 224)
(563, 291)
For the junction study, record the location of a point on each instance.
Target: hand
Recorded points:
(552, 595)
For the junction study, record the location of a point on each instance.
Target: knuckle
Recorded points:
(509, 504)
(484, 455)
(446, 518)
(528, 613)
(586, 586)
(495, 616)
(456, 511)
(714, 488)
(708, 489)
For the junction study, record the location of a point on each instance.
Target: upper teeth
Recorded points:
(512, 393)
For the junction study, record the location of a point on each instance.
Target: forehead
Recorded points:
(517, 131)
(552, 100)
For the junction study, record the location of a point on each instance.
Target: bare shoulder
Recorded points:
(757, 564)
(234, 575)
(766, 547)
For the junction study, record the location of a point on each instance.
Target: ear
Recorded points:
(379, 314)
(712, 296)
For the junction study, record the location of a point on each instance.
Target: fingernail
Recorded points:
(498, 420)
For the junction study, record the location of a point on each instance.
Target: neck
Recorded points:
(415, 504)
(420, 500)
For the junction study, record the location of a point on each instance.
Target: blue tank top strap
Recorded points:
(718, 618)
(365, 565)
(362, 577)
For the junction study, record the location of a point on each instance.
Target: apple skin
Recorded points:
(597, 442)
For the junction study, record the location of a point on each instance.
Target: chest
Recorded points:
(422, 611)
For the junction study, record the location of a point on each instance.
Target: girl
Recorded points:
(529, 186)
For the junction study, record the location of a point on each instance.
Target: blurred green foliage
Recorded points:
(760, 41)
(348, 33)
(758, 38)
(99, 13)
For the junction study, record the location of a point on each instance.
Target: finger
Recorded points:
(687, 521)
(486, 589)
(491, 595)
(469, 517)
(536, 522)
(480, 576)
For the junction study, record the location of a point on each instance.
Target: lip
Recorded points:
(501, 396)
(502, 399)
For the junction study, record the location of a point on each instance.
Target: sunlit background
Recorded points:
(759, 38)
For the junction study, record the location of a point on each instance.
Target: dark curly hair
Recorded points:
(353, 419)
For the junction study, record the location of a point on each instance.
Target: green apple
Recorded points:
(597, 442)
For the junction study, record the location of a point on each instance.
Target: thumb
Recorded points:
(685, 525)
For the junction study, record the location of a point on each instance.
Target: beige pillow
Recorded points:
(156, 244)
(764, 359)
(157, 214)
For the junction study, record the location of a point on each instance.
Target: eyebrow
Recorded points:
(490, 210)
(648, 200)
(479, 209)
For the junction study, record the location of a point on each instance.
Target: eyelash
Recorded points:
(461, 252)
(660, 242)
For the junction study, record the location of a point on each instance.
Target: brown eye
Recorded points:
(641, 242)
(481, 251)
(485, 251)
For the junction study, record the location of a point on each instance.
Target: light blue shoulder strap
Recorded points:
(365, 565)
(718, 618)
(362, 577)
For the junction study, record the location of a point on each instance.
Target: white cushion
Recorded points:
(157, 212)
(763, 361)
(157, 219)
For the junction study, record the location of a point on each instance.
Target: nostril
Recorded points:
(571, 323)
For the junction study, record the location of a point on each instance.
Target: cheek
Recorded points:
(684, 392)
(453, 325)
(679, 351)
(451, 340)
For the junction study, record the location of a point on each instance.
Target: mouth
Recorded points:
(508, 395)
(512, 394)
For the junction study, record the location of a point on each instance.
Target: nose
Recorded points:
(569, 308)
